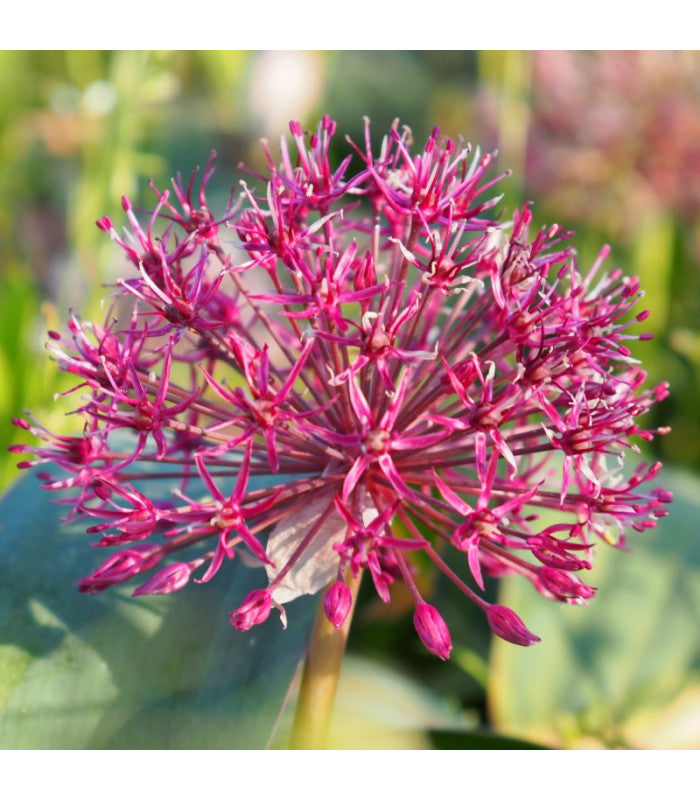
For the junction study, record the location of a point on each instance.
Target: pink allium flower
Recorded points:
(407, 373)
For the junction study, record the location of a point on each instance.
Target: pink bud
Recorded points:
(139, 524)
(98, 528)
(561, 585)
(254, 610)
(119, 568)
(662, 494)
(102, 490)
(508, 625)
(433, 630)
(337, 603)
(169, 579)
(104, 224)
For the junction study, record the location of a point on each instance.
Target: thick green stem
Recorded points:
(320, 678)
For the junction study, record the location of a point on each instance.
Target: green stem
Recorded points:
(320, 678)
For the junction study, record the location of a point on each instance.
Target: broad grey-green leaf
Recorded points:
(114, 672)
(624, 671)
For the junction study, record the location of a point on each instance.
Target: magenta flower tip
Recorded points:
(254, 610)
(508, 625)
(120, 567)
(169, 579)
(337, 603)
(432, 630)
(561, 585)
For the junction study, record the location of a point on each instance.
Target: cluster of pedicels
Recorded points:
(408, 376)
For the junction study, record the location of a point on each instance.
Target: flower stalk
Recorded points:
(319, 680)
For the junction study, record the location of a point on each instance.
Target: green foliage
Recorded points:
(28, 379)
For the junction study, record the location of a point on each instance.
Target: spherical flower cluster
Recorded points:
(408, 374)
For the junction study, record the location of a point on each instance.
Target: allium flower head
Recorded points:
(406, 372)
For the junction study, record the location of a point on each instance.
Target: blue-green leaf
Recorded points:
(114, 672)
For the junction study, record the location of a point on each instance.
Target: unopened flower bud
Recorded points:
(166, 580)
(102, 490)
(337, 603)
(119, 568)
(433, 630)
(561, 585)
(254, 610)
(508, 625)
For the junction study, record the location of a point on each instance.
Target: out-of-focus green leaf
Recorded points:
(379, 708)
(507, 74)
(112, 672)
(27, 377)
(473, 664)
(624, 672)
(652, 254)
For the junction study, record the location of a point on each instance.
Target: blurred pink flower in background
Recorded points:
(615, 136)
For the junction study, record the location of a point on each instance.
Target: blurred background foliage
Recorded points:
(607, 143)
